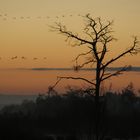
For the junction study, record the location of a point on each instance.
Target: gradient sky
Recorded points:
(24, 26)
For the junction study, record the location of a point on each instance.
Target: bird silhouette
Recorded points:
(23, 57)
(15, 57)
(35, 58)
(14, 18)
(39, 17)
(45, 58)
(21, 17)
(4, 18)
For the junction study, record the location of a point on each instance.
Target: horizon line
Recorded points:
(130, 68)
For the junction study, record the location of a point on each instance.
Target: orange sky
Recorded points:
(25, 31)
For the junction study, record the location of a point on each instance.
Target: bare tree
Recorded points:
(98, 35)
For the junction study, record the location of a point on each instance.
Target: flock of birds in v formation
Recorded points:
(24, 58)
(4, 17)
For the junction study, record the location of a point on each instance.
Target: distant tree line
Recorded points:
(72, 114)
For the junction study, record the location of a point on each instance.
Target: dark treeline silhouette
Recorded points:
(72, 116)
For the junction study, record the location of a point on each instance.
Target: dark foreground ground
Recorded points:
(72, 117)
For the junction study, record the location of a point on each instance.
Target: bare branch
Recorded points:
(62, 29)
(104, 51)
(133, 50)
(105, 30)
(82, 54)
(92, 24)
(100, 23)
(78, 67)
(114, 74)
(89, 34)
(77, 78)
(56, 83)
(102, 74)
(51, 88)
(99, 35)
(100, 31)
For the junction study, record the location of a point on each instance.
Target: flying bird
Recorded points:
(4, 18)
(22, 17)
(39, 17)
(28, 17)
(23, 57)
(15, 57)
(35, 58)
(14, 17)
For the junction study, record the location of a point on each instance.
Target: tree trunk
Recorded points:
(97, 102)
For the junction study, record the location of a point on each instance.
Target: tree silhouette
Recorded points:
(98, 35)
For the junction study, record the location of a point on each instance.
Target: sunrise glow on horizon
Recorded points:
(26, 36)
(70, 69)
